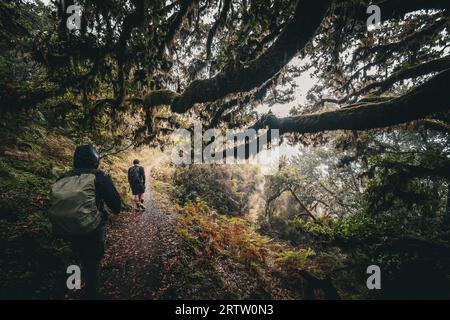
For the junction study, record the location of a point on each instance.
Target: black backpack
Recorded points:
(134, 175)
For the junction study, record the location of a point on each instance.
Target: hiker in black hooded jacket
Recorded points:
(86, 159)
(136, 178)
(90, 247)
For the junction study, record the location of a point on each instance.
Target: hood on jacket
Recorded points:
(86, 157)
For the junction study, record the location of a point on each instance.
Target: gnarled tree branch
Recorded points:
(382, 86)
(431, 97)
(216, 26)
(239, 78)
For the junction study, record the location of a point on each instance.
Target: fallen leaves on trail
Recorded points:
(132, 266)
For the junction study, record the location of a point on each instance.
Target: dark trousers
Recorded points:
(89, 249)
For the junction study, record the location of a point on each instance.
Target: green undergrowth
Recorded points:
(218, 257)
(221, 256)
(31, 158)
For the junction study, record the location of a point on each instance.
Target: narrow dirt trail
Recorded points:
(131, 267)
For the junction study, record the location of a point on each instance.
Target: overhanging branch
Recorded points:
(403, 74)
(239, 78)
(429, 98)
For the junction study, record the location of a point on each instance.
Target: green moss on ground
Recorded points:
(31, 158)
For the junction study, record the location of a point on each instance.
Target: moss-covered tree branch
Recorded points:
(429, 98)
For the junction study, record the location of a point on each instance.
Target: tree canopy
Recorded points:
(160, 61)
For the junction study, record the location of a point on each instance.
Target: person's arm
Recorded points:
(107, 192)
(129, 179)
(142, 172)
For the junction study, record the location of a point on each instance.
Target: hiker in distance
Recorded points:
(136, 179)
(78, 213)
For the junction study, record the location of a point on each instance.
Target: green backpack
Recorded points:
(73, 208)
